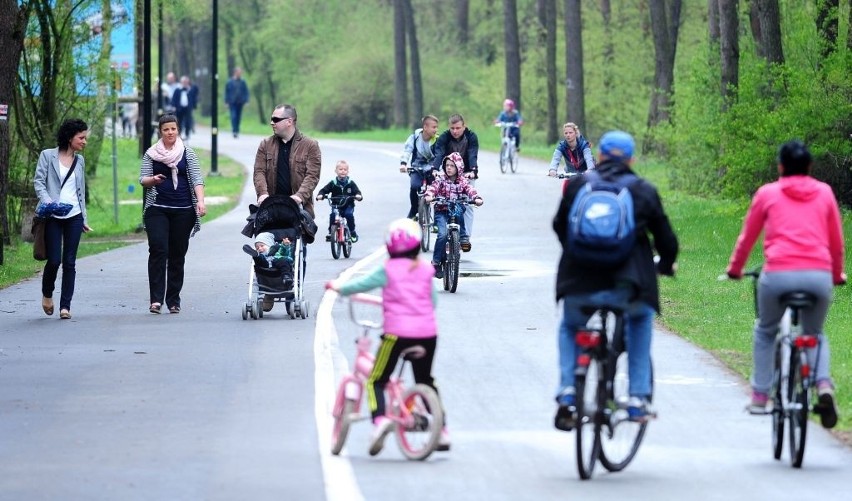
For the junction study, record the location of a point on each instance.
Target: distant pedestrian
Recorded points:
(60, 178)
(167, 89)
(236, 96)
(184, 101)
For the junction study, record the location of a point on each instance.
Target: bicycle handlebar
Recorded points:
(364, 299)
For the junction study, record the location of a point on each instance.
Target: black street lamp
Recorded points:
(147, 130)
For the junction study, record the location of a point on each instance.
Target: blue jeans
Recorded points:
(515, 133)
(61, 238)
(236, 115)
(347, 213)
(441, 220)
(637, 335)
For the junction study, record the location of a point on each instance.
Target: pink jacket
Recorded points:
(407, 299)
(802, 226)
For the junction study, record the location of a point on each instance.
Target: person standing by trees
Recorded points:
(172, 212)
(418, 151)
(458, 138)
(60, 178)
(236, 96)
(184, 100)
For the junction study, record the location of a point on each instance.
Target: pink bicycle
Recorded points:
(415, 411)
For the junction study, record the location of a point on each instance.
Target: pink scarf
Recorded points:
(171, 157)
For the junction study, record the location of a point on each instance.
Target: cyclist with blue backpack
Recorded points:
(603, 223)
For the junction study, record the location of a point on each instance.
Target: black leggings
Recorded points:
(386, 359)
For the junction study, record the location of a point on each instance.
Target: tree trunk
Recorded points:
(547, 19)
(13, 21)
(663, 62)
(827, 25)
(713, 21)
(400, 82)
(574, 87)
(766, 30)
(463, 19)
(609, 47)
(513, 51)
(729, 49)
(416, 76)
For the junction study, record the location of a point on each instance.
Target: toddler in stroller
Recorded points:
(278, 257)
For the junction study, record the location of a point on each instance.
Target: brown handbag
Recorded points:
(39, 245)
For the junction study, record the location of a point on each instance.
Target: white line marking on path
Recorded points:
(339, 479)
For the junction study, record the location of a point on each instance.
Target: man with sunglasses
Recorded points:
(287, 162)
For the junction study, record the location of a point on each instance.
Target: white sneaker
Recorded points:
(381, 428)
(444, 441)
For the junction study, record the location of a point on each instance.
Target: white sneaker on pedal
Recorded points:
(381, 427)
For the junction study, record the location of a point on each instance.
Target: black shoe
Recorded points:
(566, 418)
(328, 238)
(465, 245)
(826, 409)
(248, 249)
(439, 270)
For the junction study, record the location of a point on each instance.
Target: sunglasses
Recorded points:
(275, 120)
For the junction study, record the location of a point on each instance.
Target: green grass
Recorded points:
(108, 234)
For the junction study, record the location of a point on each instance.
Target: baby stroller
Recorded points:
(284, 218)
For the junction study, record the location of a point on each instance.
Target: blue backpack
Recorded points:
(601, 223)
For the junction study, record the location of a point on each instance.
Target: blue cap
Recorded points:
(617, 144)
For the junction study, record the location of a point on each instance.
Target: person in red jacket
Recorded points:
(802, 250)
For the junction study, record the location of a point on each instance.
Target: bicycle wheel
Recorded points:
(620, 437)
(347, 242)
(422, 422)
(335, 245)
(513, 157)
(424, 216)
(452, 274)
(779, 384)
(797, 396)
(589, 395)
(342, 420)
(504, 158)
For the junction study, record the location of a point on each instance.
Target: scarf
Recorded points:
(171, 157)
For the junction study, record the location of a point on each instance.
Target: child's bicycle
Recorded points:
(452, 250)
(604, 430)
(508, 149)
(424, 210)
(416, 411)
(793, 377)
(341, 239)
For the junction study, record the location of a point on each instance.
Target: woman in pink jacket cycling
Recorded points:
(803, 250)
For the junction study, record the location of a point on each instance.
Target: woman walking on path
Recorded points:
(60, 178)
(173, 207)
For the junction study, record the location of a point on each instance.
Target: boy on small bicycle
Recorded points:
(512, 116)
(344, 189)
(418, 152)
(408, 303)
(451, 186)
(803, 251)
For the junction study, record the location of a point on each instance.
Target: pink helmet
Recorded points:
(509, 103)
(403, 236)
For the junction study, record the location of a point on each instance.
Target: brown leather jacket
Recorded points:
(305, 165)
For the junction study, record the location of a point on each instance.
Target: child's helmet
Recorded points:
(457, 160)
(509, 103)
(403, 236)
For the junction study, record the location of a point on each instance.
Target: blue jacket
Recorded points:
(582, 154)
(236, 92)
(191, 94)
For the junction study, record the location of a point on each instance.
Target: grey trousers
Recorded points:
(770, 288)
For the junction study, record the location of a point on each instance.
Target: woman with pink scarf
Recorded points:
(173, 207)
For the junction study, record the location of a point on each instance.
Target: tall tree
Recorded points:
(400, 82)
(416, 76)
(512, 46)
(713, 21)
(575, 102)
(609, 47)
(827, 25)
(546, 10)
(13, 22)
(663, 26)
(766, 30)
(729, 48)
(463, 20)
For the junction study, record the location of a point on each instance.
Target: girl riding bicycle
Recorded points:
(452, 185)
(408, 303)
(803, 251)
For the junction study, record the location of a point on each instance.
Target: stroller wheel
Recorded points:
(246, 309)
(259, 308)
(255, 310)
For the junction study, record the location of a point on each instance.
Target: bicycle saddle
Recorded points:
(798, 299)
(413, 352)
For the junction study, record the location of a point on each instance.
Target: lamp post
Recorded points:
(214, 94)
(147, 130)
(116, 83)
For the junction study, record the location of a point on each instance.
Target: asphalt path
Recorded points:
(118, 403)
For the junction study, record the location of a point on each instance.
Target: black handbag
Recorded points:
(39, 245)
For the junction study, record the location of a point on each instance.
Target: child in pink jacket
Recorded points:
(408, 302)
(803, 251)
